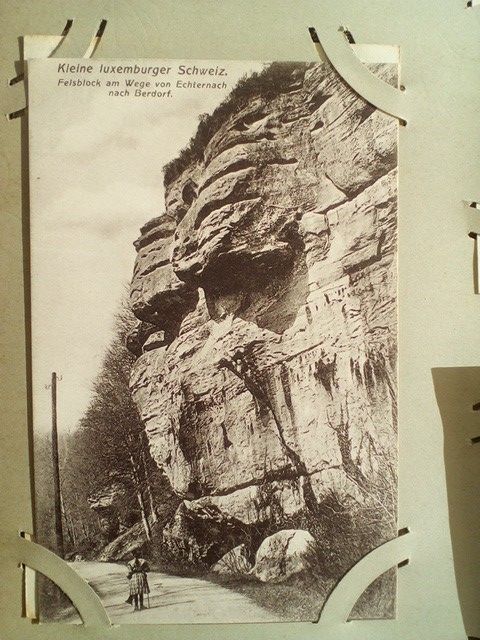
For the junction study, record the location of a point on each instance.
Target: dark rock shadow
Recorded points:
(457, 390)
(271, 299)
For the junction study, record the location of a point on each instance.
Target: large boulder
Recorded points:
(283, 555)
(234, 562)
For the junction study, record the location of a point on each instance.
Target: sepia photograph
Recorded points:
(214, 336)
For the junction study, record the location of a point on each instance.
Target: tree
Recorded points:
(108, 452)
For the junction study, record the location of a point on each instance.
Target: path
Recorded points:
(172, 599)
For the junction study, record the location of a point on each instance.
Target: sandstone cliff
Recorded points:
(266, 295)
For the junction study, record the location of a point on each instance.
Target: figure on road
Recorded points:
(137, 576)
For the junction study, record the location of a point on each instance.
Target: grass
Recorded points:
(378, 599)
(297, 599)
(301, 599)
(53, 604)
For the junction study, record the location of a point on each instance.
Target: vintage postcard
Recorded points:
(214, 308)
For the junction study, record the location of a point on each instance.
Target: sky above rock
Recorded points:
(96, 177)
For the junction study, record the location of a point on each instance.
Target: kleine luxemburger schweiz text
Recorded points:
(150, 70)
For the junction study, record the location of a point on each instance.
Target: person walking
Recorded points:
(137, 577)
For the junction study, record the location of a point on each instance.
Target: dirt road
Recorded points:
(172, 599)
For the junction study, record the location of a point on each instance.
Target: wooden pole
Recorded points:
(56, 472)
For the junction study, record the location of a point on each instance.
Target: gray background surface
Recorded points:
(438, 310)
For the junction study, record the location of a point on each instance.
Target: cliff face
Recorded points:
(267, 300)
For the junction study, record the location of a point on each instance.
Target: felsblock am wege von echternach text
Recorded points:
(155, 81)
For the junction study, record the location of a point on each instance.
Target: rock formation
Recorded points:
(108, 504)
(234, 562)
(283, 555)
(123, 546)
(266, 295)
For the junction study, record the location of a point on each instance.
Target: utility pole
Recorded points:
(56, 472)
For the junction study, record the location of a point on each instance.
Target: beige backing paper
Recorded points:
(438, 308)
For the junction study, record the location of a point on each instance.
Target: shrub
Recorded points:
(266, 84)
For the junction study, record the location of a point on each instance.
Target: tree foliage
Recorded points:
(109, 481)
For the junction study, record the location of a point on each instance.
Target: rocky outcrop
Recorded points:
(109, 506)
(235, 562)
(121, 549)
(267, 299)
(202, 535)
(283, 555)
